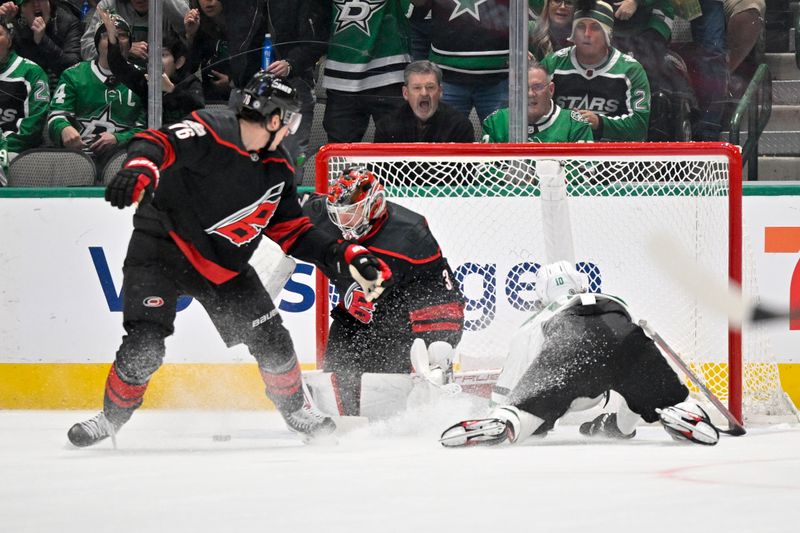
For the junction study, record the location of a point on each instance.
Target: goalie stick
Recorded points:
(700, 282)
(736, 429)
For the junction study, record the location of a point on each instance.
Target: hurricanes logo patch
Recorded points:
(357, 305)
(153, 301)
(355, 13)
(247, 223)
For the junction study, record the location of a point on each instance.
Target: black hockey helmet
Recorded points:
(265, 94)
(120, 23)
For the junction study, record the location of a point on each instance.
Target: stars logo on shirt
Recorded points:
(356, 13)
(94, 126)
(466, 6)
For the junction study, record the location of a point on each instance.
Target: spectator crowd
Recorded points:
(74, 71)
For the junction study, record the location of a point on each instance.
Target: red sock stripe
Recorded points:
(436, 326)
(451, 311)
(284, 384)
(121, 393)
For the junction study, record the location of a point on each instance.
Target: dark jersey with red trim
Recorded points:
(424, 302)
(215, 199)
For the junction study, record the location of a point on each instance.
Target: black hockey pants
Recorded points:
(156, 273)
(584, 356)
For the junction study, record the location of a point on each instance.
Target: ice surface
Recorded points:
(170, 475)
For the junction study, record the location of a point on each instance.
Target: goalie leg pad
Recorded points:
(687, 421)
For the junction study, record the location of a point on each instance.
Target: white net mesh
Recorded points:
(485, 209)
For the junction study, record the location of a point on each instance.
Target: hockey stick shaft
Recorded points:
(708, 288)
(736, 427)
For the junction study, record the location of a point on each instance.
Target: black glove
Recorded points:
(135, 182)
(371, 273)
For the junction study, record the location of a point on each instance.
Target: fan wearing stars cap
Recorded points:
(607, 87)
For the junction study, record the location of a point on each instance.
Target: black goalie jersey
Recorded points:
(424, 302)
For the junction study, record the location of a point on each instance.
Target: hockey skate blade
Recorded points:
(474, 432)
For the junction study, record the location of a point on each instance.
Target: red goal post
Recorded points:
(668, 175)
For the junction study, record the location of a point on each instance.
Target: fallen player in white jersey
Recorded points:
(567, 357)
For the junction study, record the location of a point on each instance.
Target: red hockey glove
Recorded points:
(371, 273)
(136, 182)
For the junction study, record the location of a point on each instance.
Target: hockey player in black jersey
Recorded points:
(424, 302)
(208, 187)
(568, 357)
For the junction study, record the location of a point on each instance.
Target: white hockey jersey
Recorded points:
(526, 344)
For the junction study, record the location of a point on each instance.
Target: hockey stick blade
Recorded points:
(736, 429)
(700, 282)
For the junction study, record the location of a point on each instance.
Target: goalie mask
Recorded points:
(355, 201)
(558, 279)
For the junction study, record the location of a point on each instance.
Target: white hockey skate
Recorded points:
(484, 432)
(311, 424)
(92, 431)
(687, 421)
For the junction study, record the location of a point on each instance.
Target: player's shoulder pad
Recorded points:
(408, 232)
(188, 127)
(223, 122)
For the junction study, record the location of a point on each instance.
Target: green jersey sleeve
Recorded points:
(30, 127)
(631, 126)
(62, 105)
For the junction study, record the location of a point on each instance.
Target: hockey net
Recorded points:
(483, 205)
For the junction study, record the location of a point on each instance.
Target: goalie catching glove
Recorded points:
(135, 182)
(371, 273)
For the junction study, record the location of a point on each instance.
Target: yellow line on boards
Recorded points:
(174, 386)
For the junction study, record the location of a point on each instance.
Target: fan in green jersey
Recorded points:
(610, 89)
(90, 110)
(24, 94)
(547, 122)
